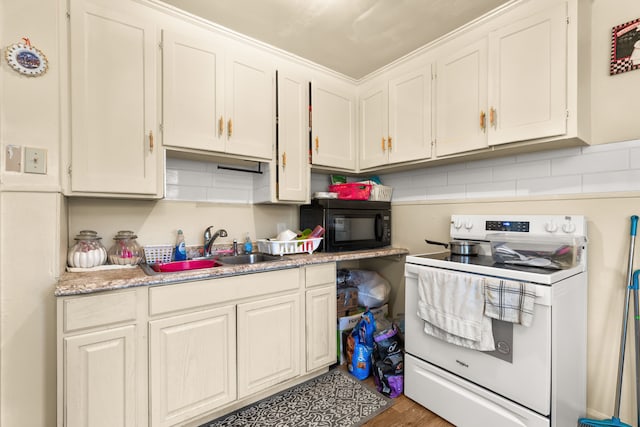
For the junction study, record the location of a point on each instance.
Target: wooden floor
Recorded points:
(404, 412)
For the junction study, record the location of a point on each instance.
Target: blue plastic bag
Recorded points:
(362, 335)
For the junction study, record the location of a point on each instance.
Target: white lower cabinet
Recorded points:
(100, 380)
(192, 363)
(268, 343)
(183, 353)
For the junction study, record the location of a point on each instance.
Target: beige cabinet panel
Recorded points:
(528, 75)
(192, 103)
(100, 379)
(293, 138)
(321, 327)
(114, 146)
(374, 129)
(268, 343)
(333, 126)
(192, 364)
(410, 116)
(462, 100)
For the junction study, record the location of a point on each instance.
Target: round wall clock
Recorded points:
(26, 59)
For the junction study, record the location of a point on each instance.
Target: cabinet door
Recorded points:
(113, 100)
(192, 100)
(461, 84)
(410, 116)
(332, 127)
(321, 327)
(268, 343)
(249, 106)
(100, 379)
(293, 138)
(527, 86)
(192, 364)
(374, 113)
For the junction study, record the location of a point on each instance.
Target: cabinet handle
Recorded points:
(492, 116)
(483, 120)
(151, 141)
(389, 144)
(384, 145)
(229, 128)
(220, 126)
(317, 144)
(284, 159)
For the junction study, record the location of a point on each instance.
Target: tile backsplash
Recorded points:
(604, 168)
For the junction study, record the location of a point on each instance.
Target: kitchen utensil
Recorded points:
(522, 259)
(459, 247)
(615, 420)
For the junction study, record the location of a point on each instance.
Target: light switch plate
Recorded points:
(13, 158)
(35, 160)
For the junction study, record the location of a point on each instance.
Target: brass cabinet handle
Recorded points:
(492, 116)
(384, 146)
(389, 144)
(483, 120)
(284, 159)
(229, 128)
(317, 144)
(220, 126)
(151, 141)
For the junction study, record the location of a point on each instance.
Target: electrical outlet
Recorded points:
(35, 160)
(13, 158)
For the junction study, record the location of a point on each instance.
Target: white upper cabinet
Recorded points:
(507, 82)
(114, 147)
(462, 99)
(333, 126)
(217, 98)
(527, 78)
(293, 138)
(395, 120)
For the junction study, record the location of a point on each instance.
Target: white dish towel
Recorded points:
(452, 306)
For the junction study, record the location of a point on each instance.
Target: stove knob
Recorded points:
(468, 225)
(457, 224)
(568, 227)
(551, 227)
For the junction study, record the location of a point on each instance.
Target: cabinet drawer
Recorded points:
(185, 296)
(320, 274)
(98, 310)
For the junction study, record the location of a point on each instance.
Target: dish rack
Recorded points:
(285, 247)
(158, 253)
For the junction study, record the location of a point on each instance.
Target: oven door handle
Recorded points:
(379, 229)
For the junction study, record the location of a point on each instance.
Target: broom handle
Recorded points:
(636, 320)
(625, 316)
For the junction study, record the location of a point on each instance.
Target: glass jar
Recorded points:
(125, 250)
(88, 250)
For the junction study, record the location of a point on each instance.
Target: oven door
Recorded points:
(521, 373)
(356, 229)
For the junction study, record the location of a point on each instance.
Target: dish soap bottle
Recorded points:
(248, 246)
(181, 250)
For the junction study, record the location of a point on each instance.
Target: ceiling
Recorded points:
(353, 37)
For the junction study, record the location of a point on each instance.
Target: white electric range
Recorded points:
(537, 374)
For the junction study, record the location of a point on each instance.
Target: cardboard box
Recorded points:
(347, 323)
(347, 300)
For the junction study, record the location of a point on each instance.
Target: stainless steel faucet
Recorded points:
(210, 238)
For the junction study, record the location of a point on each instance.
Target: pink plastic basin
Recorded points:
(193, 264)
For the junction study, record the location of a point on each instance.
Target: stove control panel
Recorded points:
(478, 226)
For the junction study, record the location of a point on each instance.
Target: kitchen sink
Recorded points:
(248, 258)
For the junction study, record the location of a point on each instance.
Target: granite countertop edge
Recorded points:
(109, 280)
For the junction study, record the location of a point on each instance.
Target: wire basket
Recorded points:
(381, 193)
(158, 253)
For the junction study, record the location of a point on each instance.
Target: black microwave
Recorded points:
(349, 224)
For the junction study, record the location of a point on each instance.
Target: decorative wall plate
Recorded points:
(26, 59)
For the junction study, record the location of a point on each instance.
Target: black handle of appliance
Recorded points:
(379, 228)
